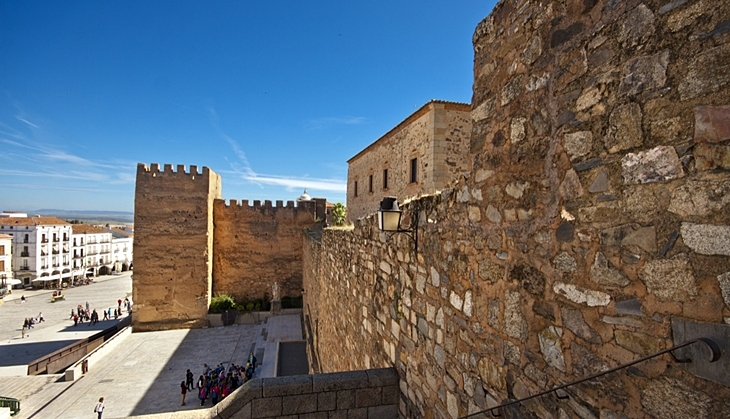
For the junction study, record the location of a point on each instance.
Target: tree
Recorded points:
(338, 214)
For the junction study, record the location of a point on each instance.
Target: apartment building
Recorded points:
(92, 251)
(41, 249)
(122, 244)
(6, 262)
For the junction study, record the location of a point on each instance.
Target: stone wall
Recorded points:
(173, 219)
(437, 135)
(257, 245)
(595, 215)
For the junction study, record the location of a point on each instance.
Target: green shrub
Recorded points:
(221, 303)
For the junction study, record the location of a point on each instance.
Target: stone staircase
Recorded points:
(34, 392)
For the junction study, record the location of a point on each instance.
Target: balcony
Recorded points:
(56, 265)
(55, 252)
(25, 268)
(56, 239)
(66, 251)
(25, 254)
(44, 240)
(43, 253)
(44, 267)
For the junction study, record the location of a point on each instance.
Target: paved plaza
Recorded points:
(143, 374)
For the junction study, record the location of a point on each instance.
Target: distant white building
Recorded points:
(6, 262)
(92, 248)
(122, 243)
(41, 248)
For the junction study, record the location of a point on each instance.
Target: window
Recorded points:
(2, 251)
(414, 170)
(385, 179)
(370, 185)
(25, 239)
(355, 188)
(2, 266)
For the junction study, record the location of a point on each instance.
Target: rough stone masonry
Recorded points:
(595, 213)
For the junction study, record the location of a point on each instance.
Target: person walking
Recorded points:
(99, 408)
(25, 326)
(183, 391)
(189, 380)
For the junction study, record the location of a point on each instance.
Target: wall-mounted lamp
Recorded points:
(389, 218)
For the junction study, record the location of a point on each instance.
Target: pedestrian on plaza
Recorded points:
(183, 391)
(201, 382)
(202, 395)
(40, 317)
(76, 319)
(25, 326)
(252, 359)
(87, 306)
(72, 314)
(99, 408)
(106, 315)
(119, 303)
(189, 380)
(22, 299)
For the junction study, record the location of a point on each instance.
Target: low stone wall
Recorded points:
(75, 371)
(368, 394)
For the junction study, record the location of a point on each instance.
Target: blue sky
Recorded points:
(273, 95)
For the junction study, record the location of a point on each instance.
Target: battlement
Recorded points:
(245, 203)
(154, 169)
(277, 210)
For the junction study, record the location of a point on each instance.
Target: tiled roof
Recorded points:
(5, 236)
(31, 221)
(86, 229)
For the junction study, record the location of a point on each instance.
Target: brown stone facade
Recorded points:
(192, 246)
(257, 245)
(595, 215)
(436, 136)
(173, 220)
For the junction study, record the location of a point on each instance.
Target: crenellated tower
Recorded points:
(173, 246)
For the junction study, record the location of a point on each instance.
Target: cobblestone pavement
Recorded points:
(142, 375)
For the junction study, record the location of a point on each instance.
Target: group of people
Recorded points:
(92, 316)
(217, 383)
(30, 322)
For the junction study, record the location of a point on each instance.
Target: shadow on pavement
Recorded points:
(210, 346)
(23, 353)
(87, 327)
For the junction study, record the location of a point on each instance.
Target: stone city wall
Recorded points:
(257, 245)
(437, 135)
(173, 241)
(594, 220)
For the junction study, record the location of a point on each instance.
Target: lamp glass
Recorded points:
(389, 220)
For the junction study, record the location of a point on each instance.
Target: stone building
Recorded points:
(593, 228)
(190, 245)
(421, 155)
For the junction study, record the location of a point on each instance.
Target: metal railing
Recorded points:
(715, 354)
(13, 404)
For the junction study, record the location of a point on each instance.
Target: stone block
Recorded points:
(390, 395)
(283, 386)
(490, 271)
(383, 377)
(515, 325)
(670, 279)
(383, 412)
(700, 198)
(252, 389)
(327, 401)
(585, 362)
(370, 396)
(313, 415)
(724, 282)
(659, 164)
(491, 373)
(644, 74)
(630, 234)
(711, 156)
(600, 182)
(573, 321)
(624, 128)
(571, 187)
(581, 295)
(564, 262)
(269, 406)
(339, 381)
(603, 272)
(550, 346)
(623, 321)
(345, 399)
(706, 239)
(300, 403)
(636, 27)
(707, 72)
(712, 124)
(666, 398)
(358, 413)
(638, 343)
(630, 306)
